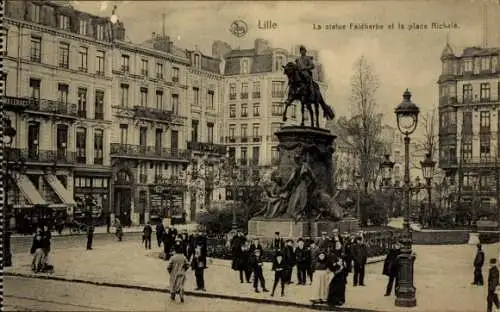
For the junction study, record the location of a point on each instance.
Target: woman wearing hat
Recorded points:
(322, 278)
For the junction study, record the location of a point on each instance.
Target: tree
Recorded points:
(365, 124)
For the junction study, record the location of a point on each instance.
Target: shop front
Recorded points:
(92, 197)
(167, 202)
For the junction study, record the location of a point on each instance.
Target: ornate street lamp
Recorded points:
(386, 166)
(428, 171)
(407, 120)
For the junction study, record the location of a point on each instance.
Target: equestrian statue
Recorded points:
(302, 87)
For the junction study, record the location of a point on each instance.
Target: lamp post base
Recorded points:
(405, 292)
(406, 302)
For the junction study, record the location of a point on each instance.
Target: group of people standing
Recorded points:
(325, 263)
(40, 250)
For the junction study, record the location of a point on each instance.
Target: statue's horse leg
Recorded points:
(316, 110)
(302, 112)
(311, 114)
(284, 111)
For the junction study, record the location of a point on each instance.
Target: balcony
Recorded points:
(99, 116)
(448, 162)
(257, 138)
(241, 139)
(256, 95)
(144, 72)
(140, 151)
(175, 79)
(81, 159)
(477, 101)
(41, 105)
(244, 115)
(278, 94)
(232, 96)
(82, 113)
(207, 147)
(482, 162)
(244, 95)
(243, 162)
(159, 76)
(83, 69)
(125, 69)
(153, 113)
(56, 157)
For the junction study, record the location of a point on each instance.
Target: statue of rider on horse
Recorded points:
(303, 88)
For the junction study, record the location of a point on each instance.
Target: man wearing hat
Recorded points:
(289, 258)
(360, 256)
(279, 268)
(302, 258)
(258, 275)
(323, 241)
(493, 280)
(478, 267)
(391, 266)
(278, 242)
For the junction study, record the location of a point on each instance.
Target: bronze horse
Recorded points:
(298, 90)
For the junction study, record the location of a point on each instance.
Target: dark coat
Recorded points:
(479, 260)
(278, 243)
(359, 253)
(302, 256)
(147, 231)
(160, 229)
(279, 267)
(197, 263)
(45, 241)
(391, 263)
(253, 248)
(256, 263)
(493, 279)
(289, 256)
(37, 243)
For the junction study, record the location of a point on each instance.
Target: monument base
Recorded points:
(288, 228)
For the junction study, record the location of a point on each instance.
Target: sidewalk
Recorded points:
(97, 230)
(442, 277)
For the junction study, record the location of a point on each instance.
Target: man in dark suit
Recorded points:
(302, 258)
(478, 267)
(391, 267)
(360, 256)
(493, 280)
(289, 257)
(278, 242)
(90, 236)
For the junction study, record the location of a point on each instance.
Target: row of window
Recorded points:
(468, 91)
(63, 96)
(277, 90)
(484, 147)
(255, 153)
(279, 62)
(244, 130)
(195, 134)
(277, 110)
(145, 69)
(143, 137)
(144, 96)
(474, 65)
(91, 182)
(449, 119)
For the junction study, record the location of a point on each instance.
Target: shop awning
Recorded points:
(29, 190)
(65, 196)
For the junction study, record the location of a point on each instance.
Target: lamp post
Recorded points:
(8, 137)
(407, 120)
(428, 171)
(359, 180)
(475, 180)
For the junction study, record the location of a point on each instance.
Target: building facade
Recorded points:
(469, 101)
(57, 71)
(255, 89)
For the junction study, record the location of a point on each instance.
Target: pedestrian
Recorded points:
(258, 274)
(90, 236)
(119, 230)
(160, 229)
(302, 259)
(360, 256)
(108, 222)
(314, 250)
(279, 268)
(478, 267)
(146, 235)
(321, 282)
(289, 257)
(198, 266)
(348, 255)
(323, 241)
(177, 267)
(246, 268)
(278, 242)
(255, 245)
(336, 291)
(37, 252)
(391, 265)
(493, 281)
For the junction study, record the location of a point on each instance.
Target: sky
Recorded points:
(402, 58)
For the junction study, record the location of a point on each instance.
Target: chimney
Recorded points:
(260, 46)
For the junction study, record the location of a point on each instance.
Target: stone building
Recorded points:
(469, 98)
(57, 70)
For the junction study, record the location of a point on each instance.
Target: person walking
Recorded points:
(198, 266)
(493, 281)
(391, 264)
(90, 236)
(258, 274)
(279, 268)
(478, 266)
(146, 235)
(177, 267)
(160, 229)
(360, 256)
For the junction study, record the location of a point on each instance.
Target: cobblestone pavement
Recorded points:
(442, 276)
(44, 295)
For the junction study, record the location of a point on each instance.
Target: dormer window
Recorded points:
(244, 66)
(35, 13)
(196, 60)
(100, 32)
(467, 65)
(280, 61)
(64, 22)
(84, 24)
(485, 64)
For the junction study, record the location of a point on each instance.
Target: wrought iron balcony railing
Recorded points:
(207, 147)
(244, 95)
(255, 95)
(448, 162)
(60, 156)
(130, 150)
(42, 105)
(481, 161)
(153, 113)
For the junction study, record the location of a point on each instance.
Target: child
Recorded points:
(257, 264)
(493, 280)
(279, 268)
(177, 268)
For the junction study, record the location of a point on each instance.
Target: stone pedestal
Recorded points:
(265, 228)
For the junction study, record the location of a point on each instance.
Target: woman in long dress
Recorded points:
(177, 267)
(322, 278)
(336, 294)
